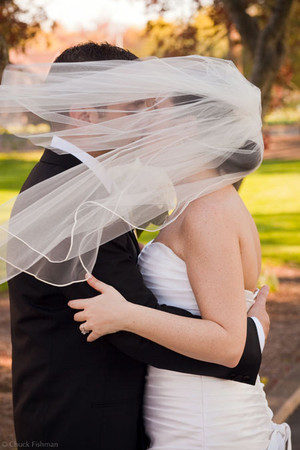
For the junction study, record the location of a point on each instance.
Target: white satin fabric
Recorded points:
(186, 412)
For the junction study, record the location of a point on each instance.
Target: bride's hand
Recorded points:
(104, 314)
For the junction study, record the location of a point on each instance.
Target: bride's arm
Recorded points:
(212, 255)
(211, 251)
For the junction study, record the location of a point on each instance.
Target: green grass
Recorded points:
(272, 195)
(14, 169)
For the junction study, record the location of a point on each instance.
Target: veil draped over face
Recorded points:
(151, 136)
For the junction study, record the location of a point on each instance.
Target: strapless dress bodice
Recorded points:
(165, 275)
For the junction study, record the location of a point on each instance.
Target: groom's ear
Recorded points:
(78, 115)
(87, 115)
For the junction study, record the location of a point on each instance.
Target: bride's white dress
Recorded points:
(186, 412)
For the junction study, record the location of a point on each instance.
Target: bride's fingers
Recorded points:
(263, 294)
(84, 328)
(96, 284)
(79, 304)
(93, 336)
(80, 316)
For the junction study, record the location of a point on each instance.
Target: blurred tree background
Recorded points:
(261, 37)
(18, 27)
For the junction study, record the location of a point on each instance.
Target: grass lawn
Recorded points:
(272, 195)
(14, 169)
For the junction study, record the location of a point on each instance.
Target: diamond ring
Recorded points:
(83, 330)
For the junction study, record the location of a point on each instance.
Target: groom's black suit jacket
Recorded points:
(89, 395)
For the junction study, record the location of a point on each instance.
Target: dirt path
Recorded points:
(6, 423)
(282, 349)
(282, 147)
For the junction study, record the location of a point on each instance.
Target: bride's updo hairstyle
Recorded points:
(167, 130)
(249, 156)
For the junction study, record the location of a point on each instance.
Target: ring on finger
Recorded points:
(83, 329)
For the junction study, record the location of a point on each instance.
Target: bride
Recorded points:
(206, 261)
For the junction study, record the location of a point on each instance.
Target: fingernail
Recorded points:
(88, 276)
(255, 293)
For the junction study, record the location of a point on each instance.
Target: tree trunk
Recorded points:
(4, 60)
(266, 45)
(270, 50)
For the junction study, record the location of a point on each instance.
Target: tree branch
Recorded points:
(4, 59)
(277, 22)
(246, 25)
(270, 50)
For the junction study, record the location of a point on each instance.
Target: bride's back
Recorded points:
(226, 207)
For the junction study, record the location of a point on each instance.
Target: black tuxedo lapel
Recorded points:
(135, 242)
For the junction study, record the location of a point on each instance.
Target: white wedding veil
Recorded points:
(151, 135)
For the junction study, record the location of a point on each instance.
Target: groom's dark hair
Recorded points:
(91, 51)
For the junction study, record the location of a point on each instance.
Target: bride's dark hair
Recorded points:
(247, 159)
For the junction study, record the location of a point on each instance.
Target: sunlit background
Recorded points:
(263, 42)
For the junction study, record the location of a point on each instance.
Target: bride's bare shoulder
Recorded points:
(220, 207)
(209, 223)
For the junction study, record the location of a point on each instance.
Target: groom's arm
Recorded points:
(116, 266)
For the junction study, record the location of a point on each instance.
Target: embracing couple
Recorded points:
(123, 360)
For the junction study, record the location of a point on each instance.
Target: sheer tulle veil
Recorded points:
(151, 136)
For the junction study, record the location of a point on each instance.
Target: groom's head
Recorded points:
(91, 51)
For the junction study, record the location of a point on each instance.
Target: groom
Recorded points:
(71, 394)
